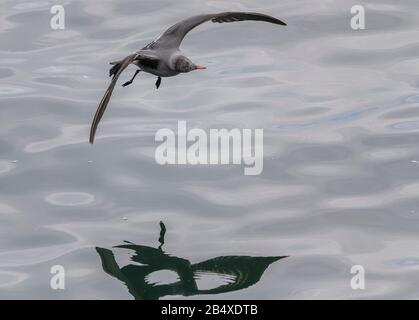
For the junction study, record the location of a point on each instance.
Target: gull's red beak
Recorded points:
(199, 67)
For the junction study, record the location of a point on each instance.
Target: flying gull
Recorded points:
(163, 57)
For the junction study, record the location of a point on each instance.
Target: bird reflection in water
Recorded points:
(235, 272)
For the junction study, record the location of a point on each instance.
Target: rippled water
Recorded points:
(340, 184)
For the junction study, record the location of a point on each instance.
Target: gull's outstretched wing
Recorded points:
(173, 36)
(105, 100)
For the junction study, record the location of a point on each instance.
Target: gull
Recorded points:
(163, 58)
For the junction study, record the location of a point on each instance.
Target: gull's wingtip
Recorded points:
(91, 138)
(280, 22)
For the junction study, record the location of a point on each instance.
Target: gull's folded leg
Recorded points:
(158, 82)
(132, 79)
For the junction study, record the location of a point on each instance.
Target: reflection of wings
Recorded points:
(154, 257)
(246, 271)
(110, 266)
(173, 36)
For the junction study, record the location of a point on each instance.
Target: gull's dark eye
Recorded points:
(183, 65)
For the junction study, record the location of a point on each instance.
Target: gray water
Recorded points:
(340, 184)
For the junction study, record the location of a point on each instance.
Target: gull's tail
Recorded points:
(115, 68)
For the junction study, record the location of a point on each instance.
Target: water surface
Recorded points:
(340, 183)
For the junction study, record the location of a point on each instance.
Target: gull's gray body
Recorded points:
(163, 57)
(165, 62)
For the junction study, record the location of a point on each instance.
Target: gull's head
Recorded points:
(184, 65)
